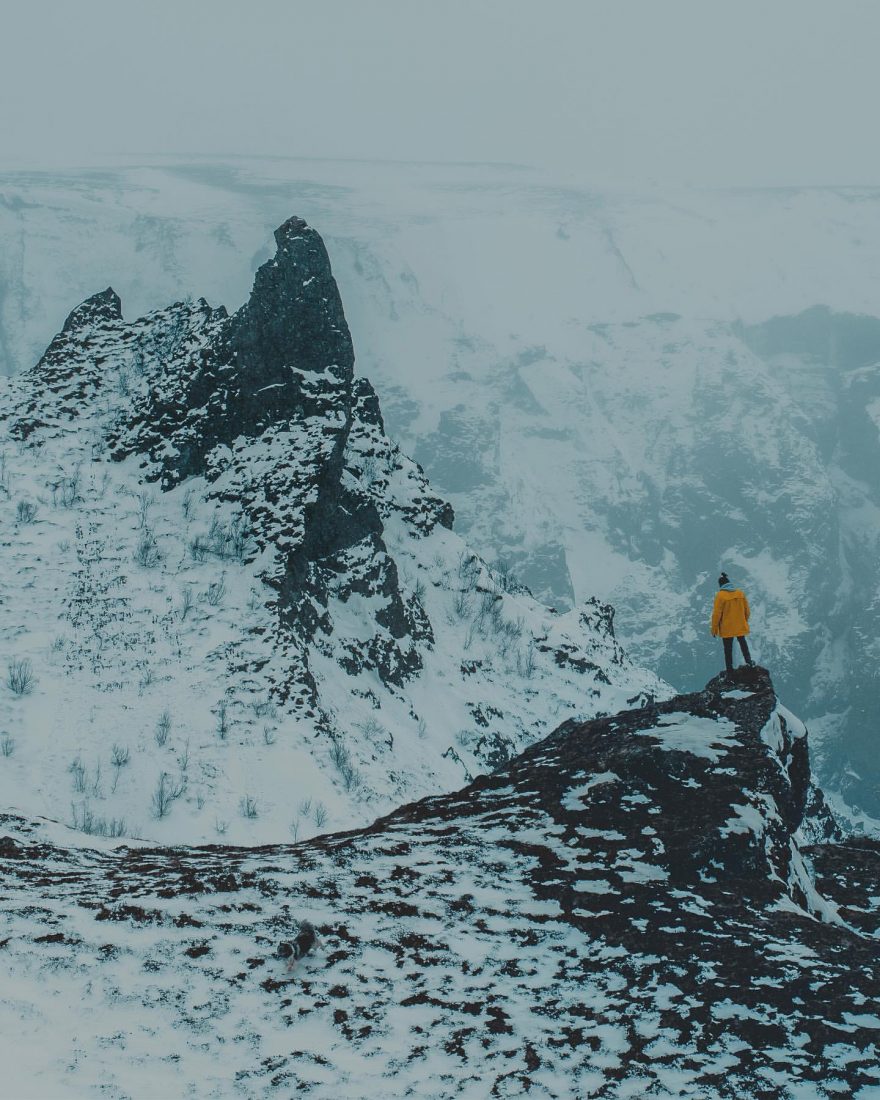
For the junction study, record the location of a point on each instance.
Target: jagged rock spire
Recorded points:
(105, 306)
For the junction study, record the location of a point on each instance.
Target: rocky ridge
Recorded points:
(221, 570)
(653, 903)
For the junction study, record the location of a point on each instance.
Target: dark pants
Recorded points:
(728, 652)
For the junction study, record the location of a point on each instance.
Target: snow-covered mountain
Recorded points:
(651, 904)
(234, 612)
(620, 394)
(231, 606)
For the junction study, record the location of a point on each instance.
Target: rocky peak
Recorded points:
(294, 317)
(105, 306)
(229, 526)
(285, 356)
(292, 325)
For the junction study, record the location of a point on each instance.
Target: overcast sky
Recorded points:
(701, 91)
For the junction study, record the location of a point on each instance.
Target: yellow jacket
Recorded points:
(730, 615)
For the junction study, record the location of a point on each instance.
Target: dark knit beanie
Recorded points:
(723, 579)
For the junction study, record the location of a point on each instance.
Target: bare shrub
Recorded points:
(375, 731)
(530, 659)
(248, 807)
(341, 757)
(183, 758)
(229, 541)
(319, 815)
(166, 794)
(186, 601)
(221, 826)
(215, 592)
(78, 774)
(188, 500)
(86, 821)
(147, 552)
(66, 490)
(226, 541)
(145, 502)
(469, 569)
(489, 614)
(222, 719)
(509, 634)
(26, 511)
(504, 576)
(163, 727)
(198, 548)
(7, 744)
(351, 777)
(305, 807)
(461, 602)
(270, 736)
(119, 757)
(265, 708)
(20, 678)
(369, 471)
(339, 754)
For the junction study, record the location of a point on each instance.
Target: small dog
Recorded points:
(305, 942)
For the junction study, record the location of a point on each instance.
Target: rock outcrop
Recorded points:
(226, 543)
(653, 903)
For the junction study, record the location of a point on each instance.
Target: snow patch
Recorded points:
(708, 738)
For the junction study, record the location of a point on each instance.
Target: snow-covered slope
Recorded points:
(231, 606)
(619, 393)
(652, 904)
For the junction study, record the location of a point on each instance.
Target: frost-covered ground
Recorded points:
(618, 392)
(653, 904)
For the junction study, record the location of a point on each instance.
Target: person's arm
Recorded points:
(746, 602)
(716, 617)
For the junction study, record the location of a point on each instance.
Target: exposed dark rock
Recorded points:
(103, 307)
(279, 373)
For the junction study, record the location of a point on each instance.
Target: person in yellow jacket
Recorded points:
(730, 619)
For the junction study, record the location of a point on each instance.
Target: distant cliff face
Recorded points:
(221, 555)
(658, 451)
(652, 902)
